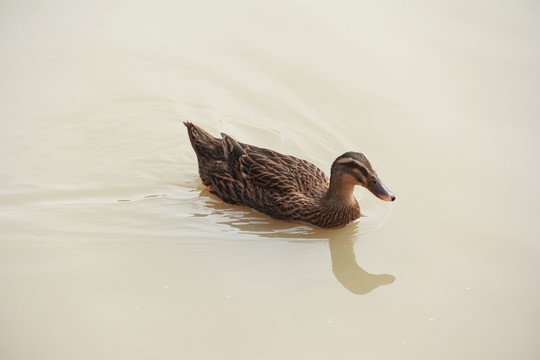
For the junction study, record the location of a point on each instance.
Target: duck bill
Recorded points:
(381, 191)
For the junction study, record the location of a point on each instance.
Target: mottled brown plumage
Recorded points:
(283, 186)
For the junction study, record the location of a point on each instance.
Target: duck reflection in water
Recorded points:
(344, 264)
(347, 270)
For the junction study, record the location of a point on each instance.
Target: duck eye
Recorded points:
(373, 182)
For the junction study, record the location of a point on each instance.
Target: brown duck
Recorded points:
(283, 186)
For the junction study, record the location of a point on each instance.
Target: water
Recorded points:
(112, 248)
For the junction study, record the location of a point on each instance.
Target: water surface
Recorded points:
(110, 247)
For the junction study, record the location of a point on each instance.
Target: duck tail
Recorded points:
(203, 143)
(197, 135)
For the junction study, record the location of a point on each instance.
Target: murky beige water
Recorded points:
(111, 248)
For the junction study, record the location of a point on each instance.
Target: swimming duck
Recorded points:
(283, 186)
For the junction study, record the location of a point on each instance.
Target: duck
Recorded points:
(283, 186)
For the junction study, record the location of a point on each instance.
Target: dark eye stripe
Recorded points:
(354, 165)
(358, 175)
(362, 170)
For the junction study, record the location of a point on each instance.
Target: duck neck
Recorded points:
(339, 204)
(341, 190)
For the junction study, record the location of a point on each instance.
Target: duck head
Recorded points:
(353, 168)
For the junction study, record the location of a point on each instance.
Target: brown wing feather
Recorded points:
(263, 171)
(227, 189)
(233, 152)
(309, 179)
(273, 170)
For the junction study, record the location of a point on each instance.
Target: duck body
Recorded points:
(281, 186)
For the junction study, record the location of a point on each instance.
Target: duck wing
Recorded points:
(257, 167)
(309, 179)
(272, 170)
